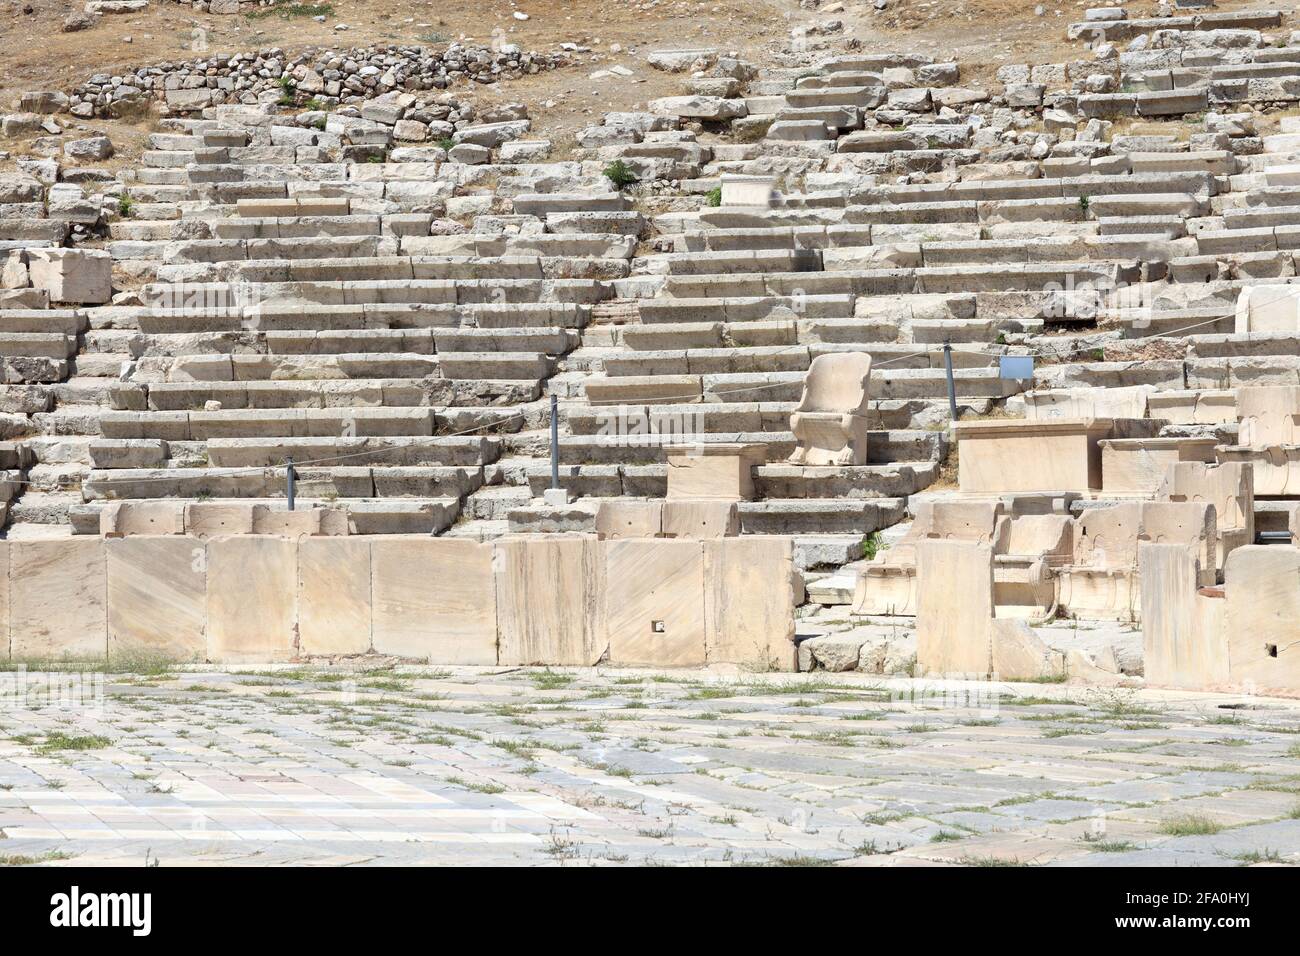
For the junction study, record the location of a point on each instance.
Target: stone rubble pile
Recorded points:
(330, 76)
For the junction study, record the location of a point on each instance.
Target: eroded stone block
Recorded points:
(655, 601)
(954, 608)
(75, 276)
(1184, 644)
(334, 607)
(1262, 583)
(252, 600)
(749, 602)
(57, 599)
(157, 597)
(434, 599)
(550, 600)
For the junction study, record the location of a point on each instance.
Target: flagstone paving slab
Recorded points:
(407, 765)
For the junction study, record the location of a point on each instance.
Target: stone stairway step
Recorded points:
(51, 345)
(342, 481)
(63, 322)
(365, 515)
(820, 516)
(254, 423)
(745, 308)
(443, 451)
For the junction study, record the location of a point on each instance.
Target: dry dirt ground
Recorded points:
(35, 54)
(981, 34)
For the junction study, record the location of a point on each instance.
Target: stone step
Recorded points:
(863, 97)
(542, 204)
(62, 322)
(820, 516)
(551, 341)
(1093, 186)
(51, 345)
(885, 447)
(34, 511)
(365, 516)
(394, 291)
(898, 479)
(527, 366)
(342, 481)
(269, 423)
(774, 237)
(734, 261)
(669, 335)
(443, 451)
(273, 394)
(745, 308)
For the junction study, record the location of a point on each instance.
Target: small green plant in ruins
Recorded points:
(619, 174)
(288, 90)
(872, 545)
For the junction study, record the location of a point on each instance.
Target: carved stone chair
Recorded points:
(830, 421)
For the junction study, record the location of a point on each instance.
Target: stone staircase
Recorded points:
(395, 318)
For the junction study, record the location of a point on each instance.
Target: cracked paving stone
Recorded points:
(409, 765)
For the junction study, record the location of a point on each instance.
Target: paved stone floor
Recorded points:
(527, 766)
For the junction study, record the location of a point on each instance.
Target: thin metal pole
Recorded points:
(290, 477)
(952, 386)
(555, 442)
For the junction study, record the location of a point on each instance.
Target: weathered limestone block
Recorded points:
(252, 596)
(1229, 487)
(211, 518)
(887, 586)
(652, 518)
(334, 607)
(1268, 308)
(1139, 465)
(655, 602)
(1269, 435)
(756, 191)
(56, 599)
(715, 470)
(1100, 583)
(157, 597)
(629, 519)
(1194, 406)
(1054, 455)
(1027, 550)
(1184, 644)
(1268, 416)
(698, 107)
(830, 421)
(1017, 653)
(302, 522)
(1262, 583)
(1129, 401)
(1276, 467)
(749, 600)
(550, 600)
(954, 618)
(434, 599)
(77, 276)
(702, 518)
(121, 518)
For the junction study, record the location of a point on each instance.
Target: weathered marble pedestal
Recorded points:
(1020, 455)
(716, 471)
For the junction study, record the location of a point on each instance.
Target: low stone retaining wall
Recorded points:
(561, 600)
